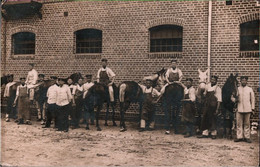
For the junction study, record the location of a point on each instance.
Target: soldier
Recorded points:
(246, 106)
(31, 80)
(10, 93)
(106, 77)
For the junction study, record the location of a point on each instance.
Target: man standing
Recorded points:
(64, 98)
(31, 80)
(173, 74)
(246, 105)
(10, 93)
(88, 114)
(106, 77)
(41, 98)
(51, 103)
(213, 98)
(148, 110)
(188, 107)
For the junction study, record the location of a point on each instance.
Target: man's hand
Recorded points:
(14, 104)
(110, 84)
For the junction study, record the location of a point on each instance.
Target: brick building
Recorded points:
(138, 38)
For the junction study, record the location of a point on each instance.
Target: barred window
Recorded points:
(166, 38)
(88, 41)
(23, 43)
(249, 36)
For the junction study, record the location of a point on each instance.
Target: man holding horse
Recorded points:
(246, 105)
(106, 77)
(213, 98)
(147, 116)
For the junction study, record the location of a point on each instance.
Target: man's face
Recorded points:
(23, 81)
(88, 79)
(53, 81)
(41, 78)
(188, 83)
(213, 81)
(80, 81)
(148, 84)
(61, 82)
(174, 64)
(30, 67)
(243, 82)
(70, 81)
(104, 63)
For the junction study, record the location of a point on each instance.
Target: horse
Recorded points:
(171, 102)
(4, 80)
(131, 92)
(97, 95)
(200, 97)
(229, 101)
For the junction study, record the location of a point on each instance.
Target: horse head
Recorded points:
(161, 79)
(203, 79)
(230, 90)
(75, 77)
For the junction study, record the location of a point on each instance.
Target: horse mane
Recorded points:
(227, 90)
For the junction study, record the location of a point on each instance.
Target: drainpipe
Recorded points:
(209, 37)
(4, 37)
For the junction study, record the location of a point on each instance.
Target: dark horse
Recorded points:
(171, 102)
(96, 96)
(229, 100)
(129, 92)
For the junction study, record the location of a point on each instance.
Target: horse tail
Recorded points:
(122, 89)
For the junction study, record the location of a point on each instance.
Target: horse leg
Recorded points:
(113, 113)
(140, 112)
(122, 113)
(97, 118)
(176, 118)
(107, 112)
(166, 109)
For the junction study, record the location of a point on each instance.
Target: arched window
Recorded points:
(23, 43)
(166, 38)
(88, 41)
(249, 36)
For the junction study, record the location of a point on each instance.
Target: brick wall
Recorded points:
(126, 38)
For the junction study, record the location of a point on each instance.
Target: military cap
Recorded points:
(244, 77)
(104, 59)
(31, 64)
(22, 78)
(174, 60)
(88, 76)
(41, 75)
(10, 75)
(53, 77)
(214, 76)
(189, 79)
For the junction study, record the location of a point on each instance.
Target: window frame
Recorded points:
(14, 44)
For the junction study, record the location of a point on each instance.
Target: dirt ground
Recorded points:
(30, 145)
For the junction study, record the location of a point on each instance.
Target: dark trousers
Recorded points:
(10, 110)
(89, 113)
(189, 127)
(172, 115)
(51, 114)
(63, 113)
(77, 112)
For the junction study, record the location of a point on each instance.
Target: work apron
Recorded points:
(148, 106)
(104, 78)
(23, 104)
(209, 117)
(188, 110)
(174, 76)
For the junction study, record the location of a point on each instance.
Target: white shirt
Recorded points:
(72, 89)
(86, 87)
(63, 95)
(32, 77)
(246, 101)
(150, 90)
(77, 87)
(109, 72)
(52, 94)
(216, 88)
(191, 91)
(7, 89)
(170, 70)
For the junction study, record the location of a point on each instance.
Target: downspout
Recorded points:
(209, 37)
(3, 57)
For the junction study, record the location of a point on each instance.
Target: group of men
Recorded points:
(64, 100)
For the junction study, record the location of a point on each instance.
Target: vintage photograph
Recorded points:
(129, 83)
